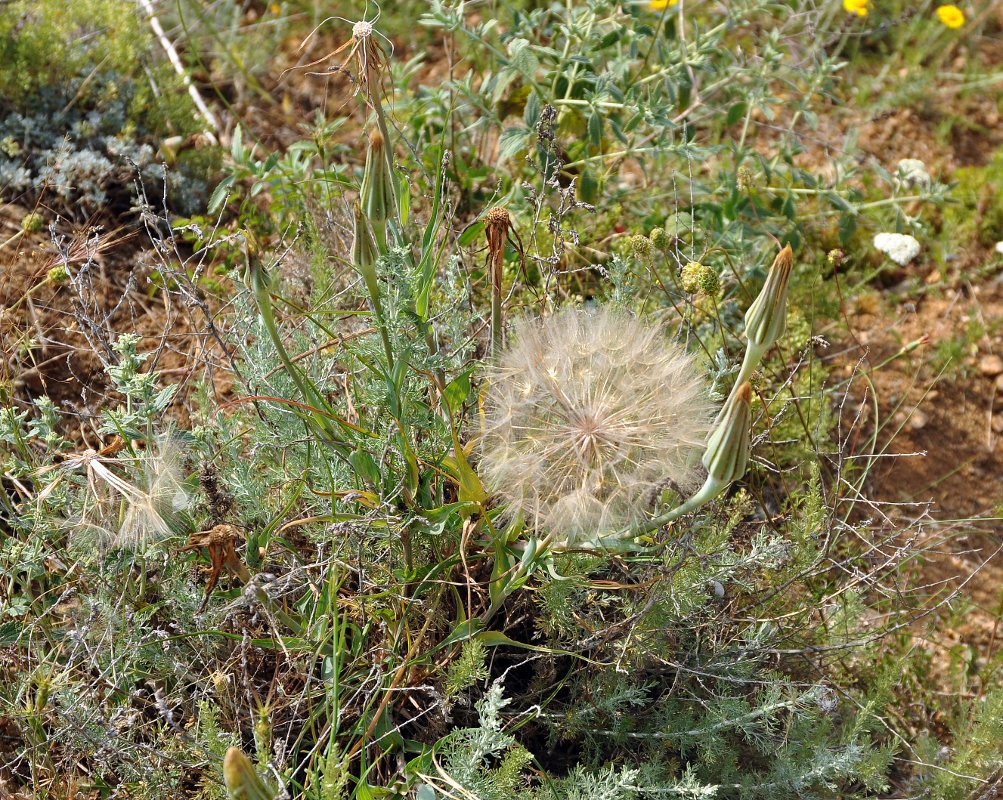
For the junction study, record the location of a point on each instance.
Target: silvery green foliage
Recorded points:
(469, 751)
(607, 783)
(487, 762)
(84, 155)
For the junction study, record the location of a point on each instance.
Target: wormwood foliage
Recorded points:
(84, 103)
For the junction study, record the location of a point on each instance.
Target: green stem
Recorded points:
(711, 489)
(309, 394)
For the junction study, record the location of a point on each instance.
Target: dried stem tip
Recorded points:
(497, 224)
(766, 318)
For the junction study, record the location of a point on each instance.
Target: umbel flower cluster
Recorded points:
(590, 415)
(899, 247)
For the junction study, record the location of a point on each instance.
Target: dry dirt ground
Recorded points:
(938, 418)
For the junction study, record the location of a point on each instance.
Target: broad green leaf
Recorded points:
(523, 58)
(736, 112)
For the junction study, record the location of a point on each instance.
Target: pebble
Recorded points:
(999, 383)
(917, 420)
(997, 423)
(991, 366)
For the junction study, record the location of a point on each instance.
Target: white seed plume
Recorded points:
(362, 30)
(150, 508)
(588, 415)
(899, 247)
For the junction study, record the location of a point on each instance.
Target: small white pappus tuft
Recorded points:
(151, 508)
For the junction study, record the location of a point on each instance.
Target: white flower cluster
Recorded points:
(999, 248)
(912, 172)
(899, 247)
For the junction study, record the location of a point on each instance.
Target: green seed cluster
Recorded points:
(699, 278)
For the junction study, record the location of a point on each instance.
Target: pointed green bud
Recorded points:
(767, 316)
(242, 782)
(377, 192)
(364, 257)
(255, 273)
(725, 459)
(728, 447)
(364, 251)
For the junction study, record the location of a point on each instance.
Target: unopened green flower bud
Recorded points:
(364, 251)
(726, 456)
(660, 240)
(242, 782)
(641, 247)
(767, 316)
(262, 728)
(364, 257)
(255, 272)
(728, 447)
(58, 274)
(32, 223)
(697, 277)
(377, 192)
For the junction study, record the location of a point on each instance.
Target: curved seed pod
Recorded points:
(728, 447)
(242, 782)
(766, 318)
(725, 458)
(364, 257)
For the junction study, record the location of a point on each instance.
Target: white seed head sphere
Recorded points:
(587, 415)
(362, 30)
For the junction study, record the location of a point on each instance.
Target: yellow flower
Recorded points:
(951, 16)
(858, 7)
(658, 5)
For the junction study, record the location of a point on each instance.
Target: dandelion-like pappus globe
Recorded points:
(589, 415)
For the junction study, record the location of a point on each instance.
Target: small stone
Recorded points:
(990, 366)
(997, 423)
(917, 420)
(932, 278)
(999, 384)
